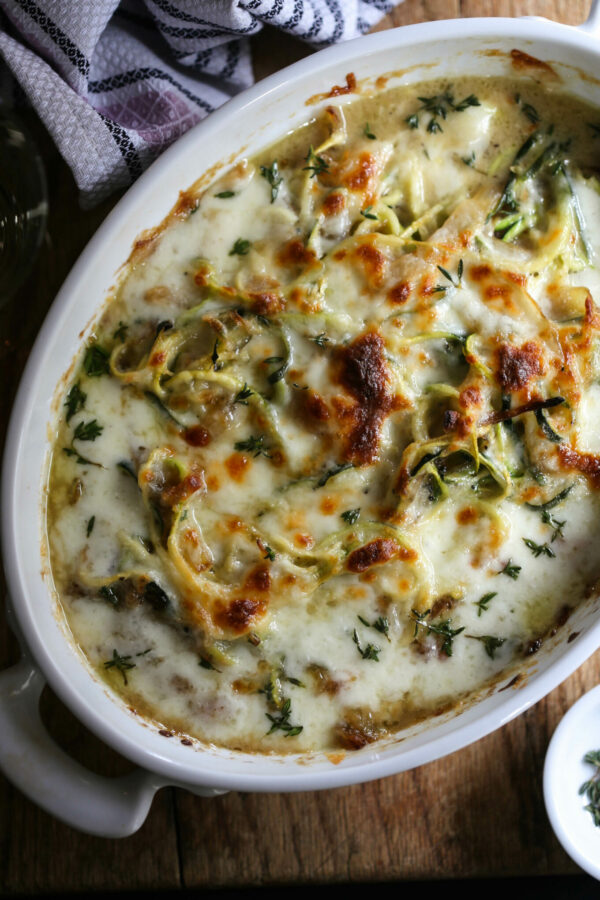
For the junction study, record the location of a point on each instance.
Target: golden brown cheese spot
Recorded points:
(497, 291)
(236, 465)
(365, 376)
(239, 615)
(516, 278)
(158, 358)
(372, 554)
(304, 540)
(470, 396)
(372, 262)
(295, 253)
(400, 293)
(480, 273)
(467, 515)
(259, 579)
(359, 178)
(516, 366)
(329, 505)
(333, 204)
(196, 436)
(586, 463)
(312, 407)
(267, 303)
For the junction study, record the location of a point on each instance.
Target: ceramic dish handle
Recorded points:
(109, 807)
(592, 23)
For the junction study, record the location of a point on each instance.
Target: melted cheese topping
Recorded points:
(329, 462)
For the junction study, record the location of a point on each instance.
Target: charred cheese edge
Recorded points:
(329, 461)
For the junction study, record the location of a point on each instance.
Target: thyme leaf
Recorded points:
(368, 133)
(351, 516)
(282, 721)
(253, 444)
(240, 248)
(483, 603)
(95, 361)
(242, 396)
(368, 214)
(440, 628)
(510, 570)
(381, 624)
(123, 663)
(271, 173)
(90, 525)
(316, 164)
(75, 401)
(490, 642)
(539, 549)
(369, 652)
(591, 787)
(225, 195)
(88, 431)
(321, 339)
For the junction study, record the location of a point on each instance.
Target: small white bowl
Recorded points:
(564, 773)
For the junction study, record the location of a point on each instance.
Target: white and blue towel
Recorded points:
(117, 82)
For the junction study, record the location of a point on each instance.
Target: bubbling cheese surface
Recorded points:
(328, 464)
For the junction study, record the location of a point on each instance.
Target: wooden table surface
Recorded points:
(476, 813)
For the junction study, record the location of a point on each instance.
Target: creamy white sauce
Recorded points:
(359, 645)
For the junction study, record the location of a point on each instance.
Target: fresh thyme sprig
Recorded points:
(85, 431)
(368, 214)
(381, 624)
(240, 248)
(438, 107)
(510, 570)
(282, 721)
(483, 604)
(316, 165)
(255, 445)
(75, 401)
(591, 787)
(442, 629)
(490, 642)
(441, 288)
(539, 549)
(123, 664)
(242, 396)
(369, 652)
(96, 361)
(271, 173)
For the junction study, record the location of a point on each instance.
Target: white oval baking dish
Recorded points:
(28, 756)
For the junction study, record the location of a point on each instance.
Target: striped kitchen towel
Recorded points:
(117, 82)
